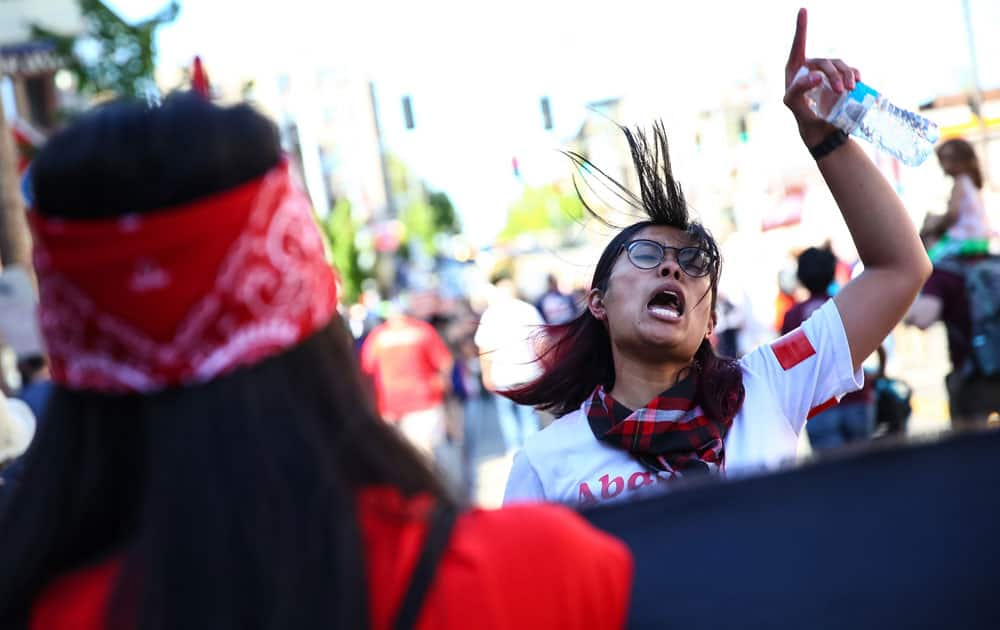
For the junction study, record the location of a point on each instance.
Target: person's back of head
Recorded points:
(816, 270)
(209, 426)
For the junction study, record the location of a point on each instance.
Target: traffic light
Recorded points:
(408, 112)
(513, 164)
(546, 113)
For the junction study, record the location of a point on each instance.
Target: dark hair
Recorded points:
(576, 356)
(30, 366)
(965, 155)
(816, 269)
(231, 503)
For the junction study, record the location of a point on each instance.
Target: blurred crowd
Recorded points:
(197, 431)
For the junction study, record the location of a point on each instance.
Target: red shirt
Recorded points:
(405, 358)
(526, 566)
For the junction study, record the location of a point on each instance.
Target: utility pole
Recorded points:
(385, 263)
(390, 206)
(976, 98)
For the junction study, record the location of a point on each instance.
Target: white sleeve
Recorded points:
(523, 484)
(809, 369)
(485, 337)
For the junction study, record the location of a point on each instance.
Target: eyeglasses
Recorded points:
(645, 254)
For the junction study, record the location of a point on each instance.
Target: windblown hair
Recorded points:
(576, 356)
(231, 504)
(964, 154)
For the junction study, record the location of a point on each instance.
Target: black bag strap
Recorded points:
(442, 520)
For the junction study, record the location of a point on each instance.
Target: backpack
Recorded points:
(982, 287)
(892, 405)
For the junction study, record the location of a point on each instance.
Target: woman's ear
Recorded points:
(595, 304)
(712, 321)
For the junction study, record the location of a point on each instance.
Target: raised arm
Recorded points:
(896, 265)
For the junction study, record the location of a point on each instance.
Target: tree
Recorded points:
(341, 234)
(445, 219)
(111, 56)
(418, 219)
(425, 214)
(542, 209)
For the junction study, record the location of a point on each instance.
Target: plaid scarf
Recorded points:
(670, 433)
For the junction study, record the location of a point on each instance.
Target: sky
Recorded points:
(476, 71)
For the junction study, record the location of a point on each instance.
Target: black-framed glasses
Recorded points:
(646, 254)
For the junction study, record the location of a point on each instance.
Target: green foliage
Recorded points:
(398, 175)
(424, 214)
(445, 219)
(111, 56)
(341, 234)
(418, 218)
(543, 209)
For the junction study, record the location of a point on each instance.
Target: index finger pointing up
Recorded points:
(797, 55)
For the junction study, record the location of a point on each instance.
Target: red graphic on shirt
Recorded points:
(612, 487)
(792, 349)
(820, 408)
(639, 479)
(586, 497)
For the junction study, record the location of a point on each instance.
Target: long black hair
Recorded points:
(576, 356)
(230, 503)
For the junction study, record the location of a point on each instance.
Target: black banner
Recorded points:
(897, 537)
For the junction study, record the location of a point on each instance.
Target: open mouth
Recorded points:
(666, 305)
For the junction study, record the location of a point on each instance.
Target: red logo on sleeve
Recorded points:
(792, 349)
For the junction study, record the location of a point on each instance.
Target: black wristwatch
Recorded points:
(831, 142)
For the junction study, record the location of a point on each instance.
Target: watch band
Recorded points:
(831, 142)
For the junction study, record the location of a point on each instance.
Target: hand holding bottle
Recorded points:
(834, 94)
(841, 78)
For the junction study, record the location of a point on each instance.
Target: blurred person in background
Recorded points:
(730, 322)
(853, 419)
(17, 429)
(555, 306)
(210, 457)
(973, 333)
(36, 382)
(410, 368)
(35, 390)
(641, 396)
(24, 373)
(964, 228)
(465, 404)
(361, 321)
(786, 296)
(506, 339)
(473, 397)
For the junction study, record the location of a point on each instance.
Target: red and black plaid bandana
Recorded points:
(670, 433)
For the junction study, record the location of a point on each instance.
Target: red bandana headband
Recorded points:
(185, 294)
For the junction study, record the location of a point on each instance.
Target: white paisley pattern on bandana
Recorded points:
(272, 289)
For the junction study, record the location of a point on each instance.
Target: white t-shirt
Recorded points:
(786, 382)
(506, 332)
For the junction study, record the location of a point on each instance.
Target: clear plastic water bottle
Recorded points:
(865, 113)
